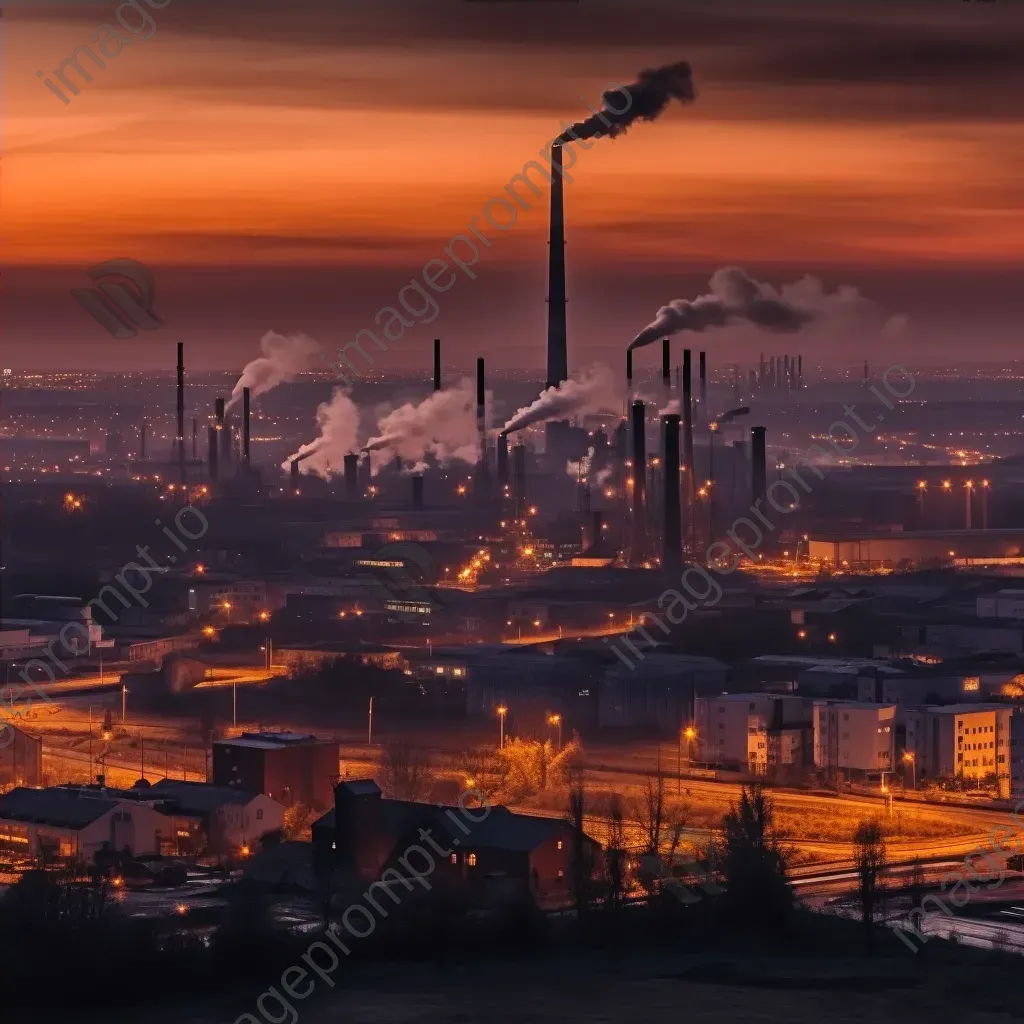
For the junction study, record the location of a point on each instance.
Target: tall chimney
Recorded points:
(638, 547)
(519, 479)
(558, 359)
(218, 407)
(246, 395)
(352, 476)
(437, 364)
(181, 411)
(799, 373)
(142, 441)
(666, 364)
(758, 465)
(629, 370)
(482, 474)
(690, 482)
(502, 463)
(417, 490)
(294, 469)
(703, 370)
(195, 427)
(212, 452)
(672, 553)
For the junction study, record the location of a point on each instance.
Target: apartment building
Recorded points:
(724, 723)
(853, 737)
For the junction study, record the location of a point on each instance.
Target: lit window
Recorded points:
(454, 858)
(471, 860)
(439, 670)
(559, 843)
(561, 873)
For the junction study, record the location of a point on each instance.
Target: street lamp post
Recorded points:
(369, 724)
(124, 702)
(502, 711)
(908, 758)
(968, 496)
(557, 720)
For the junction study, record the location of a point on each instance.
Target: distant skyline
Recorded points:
(292, 171)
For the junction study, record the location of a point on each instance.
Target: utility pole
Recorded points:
(369, 727)
(124, 702)
(184, 766)
(143, 744)
(90, 744)
(234, 705)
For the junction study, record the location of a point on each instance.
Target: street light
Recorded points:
(689, 733)
(502, 712)
(557, 720)
(908, 758)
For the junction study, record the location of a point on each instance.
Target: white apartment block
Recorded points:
(854, 737)
(724, 723)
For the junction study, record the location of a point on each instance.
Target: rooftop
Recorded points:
(57, 807)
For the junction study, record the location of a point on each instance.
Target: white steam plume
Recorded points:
(338, 423)
(581, 470)
(595, 390)
(735, 297)
(443, 426)
(284, 358)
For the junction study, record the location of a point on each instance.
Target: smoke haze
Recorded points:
(284, 358)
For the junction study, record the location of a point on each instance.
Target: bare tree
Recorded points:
(661, 824)
(582, 862)
(615, 853)
(407, 771)
(869, 856)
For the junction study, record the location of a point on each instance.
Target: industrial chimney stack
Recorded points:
(437, 364)
(246, 459)
(690, 470)
(672, 554)
(666, 364)
(352, 476)
(558, 360)
(181, 411)
(638, 548)
(212, 453)
(758, 465)
(417, 491)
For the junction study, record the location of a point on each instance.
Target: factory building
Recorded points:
(288, 767)
(854, 738)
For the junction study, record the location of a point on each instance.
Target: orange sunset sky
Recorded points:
(292, 165)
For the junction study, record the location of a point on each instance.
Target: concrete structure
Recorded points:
(854, 738)
(890, 549)
(288, 767)
(723, 723)
(1004, 604)
(58, 823)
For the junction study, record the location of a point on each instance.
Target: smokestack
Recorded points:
(181, 410)
(437, 364)
(689, 483)
(638, 548)
(481, 394)
(211, 455)
(352, 476)
(629, 370)
(218, 407)
(417, 491)
(558, 359)
(142, 441)
(294, 468)
(799, 373)
(593, 521)
(245, 428)
(195, 427)
(672, 552)
(666, 364)
(758, 465)
(703, 371)
(519, 479)
(502, 463)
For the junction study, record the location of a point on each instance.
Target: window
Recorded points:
(559, 844)
(561, 873)
(259, 814)
(454, 858)
(471, 859)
